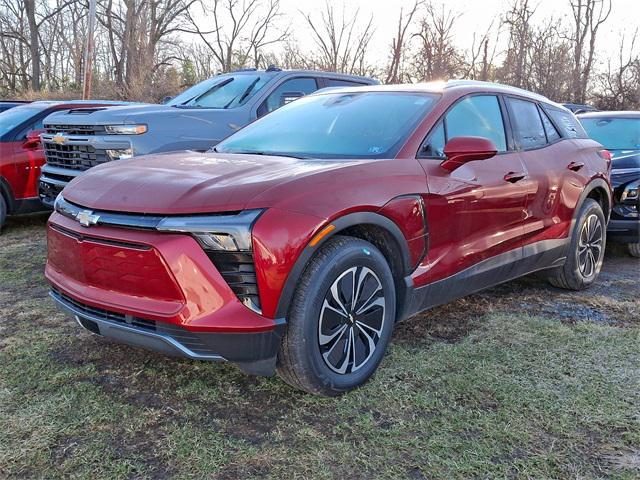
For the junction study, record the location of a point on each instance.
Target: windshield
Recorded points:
(338, 125)
(220, 92)
(614, 133)
(9, 119)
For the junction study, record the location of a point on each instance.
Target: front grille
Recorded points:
(149, 325)
(238, 270)
(76, 129)
(75, 157)
(192, 341)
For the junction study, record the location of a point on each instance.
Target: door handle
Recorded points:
(513, 177)
(575, 166)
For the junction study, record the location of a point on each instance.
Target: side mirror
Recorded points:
(167, 99)
(461, 150)
(32, 142)
(288, 97)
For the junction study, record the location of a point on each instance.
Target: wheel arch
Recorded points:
(7, 194)
(372, 227)
(597, 190)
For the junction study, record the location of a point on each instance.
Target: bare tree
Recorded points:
(342, 46)
(588, 16)
(437, 57)
(395, 73)
(619, 85)
(480, 56)
(241, 30)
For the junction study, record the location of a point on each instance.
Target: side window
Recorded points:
(37, 125)
(477, 116)
(528, 129)
(335, 82)
(286, 92)
(434, 146)
(549, 129)
(567, 123)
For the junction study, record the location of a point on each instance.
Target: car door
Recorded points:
(27, 160)
(550, 183)
(476, 211)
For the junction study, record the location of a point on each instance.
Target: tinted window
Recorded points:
(221, 92)
(335, 125)
(527, 129)
(549, 129)
(614, 133)
(434, 147)
(287, 91)
(334, 82)
(38, 125)
(567, 122)
(477, 116)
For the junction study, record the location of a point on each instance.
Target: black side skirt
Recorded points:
(488, 273)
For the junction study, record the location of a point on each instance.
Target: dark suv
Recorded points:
(302, 239)
(196, 119)
(619, 132)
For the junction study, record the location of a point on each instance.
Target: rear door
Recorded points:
(555, 171)
(477, 211)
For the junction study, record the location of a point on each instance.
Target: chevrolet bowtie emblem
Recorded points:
(59, 138)
(87, 218)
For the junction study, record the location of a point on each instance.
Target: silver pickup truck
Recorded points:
(197, 119)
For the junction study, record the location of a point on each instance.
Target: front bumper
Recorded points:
(156, 291)
(254, 353)
(624, 230)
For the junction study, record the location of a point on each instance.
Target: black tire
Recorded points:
(586, 249)
(3, 212)
(303, 362)
(634, 249)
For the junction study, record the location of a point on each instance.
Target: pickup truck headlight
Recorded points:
(630, 192)
(231, 233)
(125, 129)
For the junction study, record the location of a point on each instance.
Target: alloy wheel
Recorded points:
(351, 320)
(590, 246)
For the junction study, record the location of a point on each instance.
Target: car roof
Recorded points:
(459, 86)
(611, 114)
(74, 103)
(278, 72)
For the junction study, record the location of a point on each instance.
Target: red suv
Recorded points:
(298, 242)
(21, 153)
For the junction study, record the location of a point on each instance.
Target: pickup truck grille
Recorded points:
(74, 157)
(75, 129)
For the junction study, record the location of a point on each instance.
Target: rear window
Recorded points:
(335, 82)
(528, 128)
(567, 123)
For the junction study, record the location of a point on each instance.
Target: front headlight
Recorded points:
(630, 192)
(125, 129)
(231, 233)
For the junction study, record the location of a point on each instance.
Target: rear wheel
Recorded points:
(340, 320)
(634, 249)
(3, 212)
(586, 249)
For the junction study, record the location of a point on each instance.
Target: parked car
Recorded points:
(302, 239)
(619, 132)
(577, 108)
(7, 104)
(197, 119)
(21, 155)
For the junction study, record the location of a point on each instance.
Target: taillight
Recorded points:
(606, 156)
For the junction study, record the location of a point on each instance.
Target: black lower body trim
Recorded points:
(624, 231)
(254, 353)
(27, 205)
(488, 273)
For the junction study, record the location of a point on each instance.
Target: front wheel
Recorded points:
(340, 320)
(586, 249)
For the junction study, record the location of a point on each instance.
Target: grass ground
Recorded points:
(521, 381)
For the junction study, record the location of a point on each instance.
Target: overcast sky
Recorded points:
(476, 16)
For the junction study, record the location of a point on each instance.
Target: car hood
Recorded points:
(139, 113)
(188, 182)
(625, 166)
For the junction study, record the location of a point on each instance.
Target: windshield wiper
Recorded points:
(258, 152)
